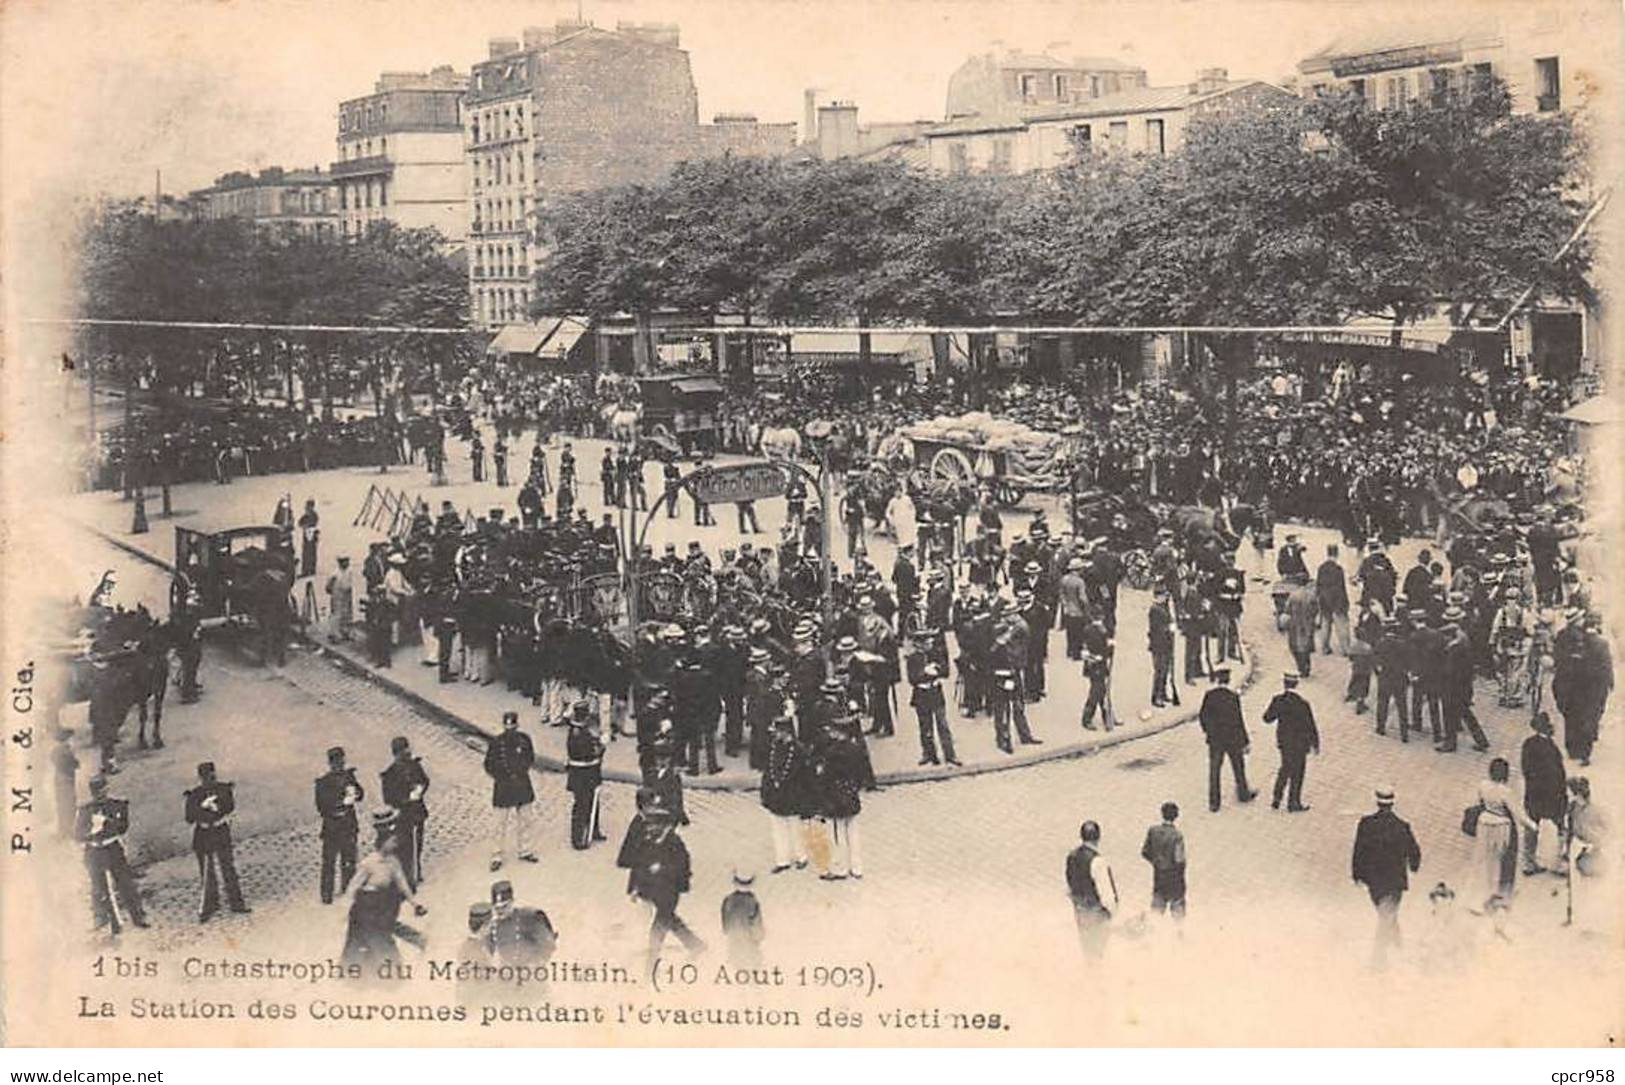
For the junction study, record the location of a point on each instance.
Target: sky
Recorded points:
(101, 95)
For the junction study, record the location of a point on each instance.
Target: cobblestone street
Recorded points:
(979, 855)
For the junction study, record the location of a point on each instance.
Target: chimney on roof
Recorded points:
(501, 47)
(837, 130)
(1210, 80)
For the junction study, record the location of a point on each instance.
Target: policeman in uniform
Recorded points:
(499, 457)
(404, 783)
(584, 773)
(338, 794)
(100, 827)
(1160, 640)
(1098, 649)
(209, 807)
(518, 936)
(930, 704)
(509, 759)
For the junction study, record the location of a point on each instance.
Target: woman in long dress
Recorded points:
(1495, 855)
(379, 889)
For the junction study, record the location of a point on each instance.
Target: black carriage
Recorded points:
(235, 574)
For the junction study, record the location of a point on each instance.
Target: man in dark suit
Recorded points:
(338, 794)
(1545, 786)
(1385, 854)
(1226, 735)
(209, 807)
(1295, 737)
(1160, 640)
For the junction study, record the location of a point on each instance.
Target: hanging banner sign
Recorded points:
(735, 483)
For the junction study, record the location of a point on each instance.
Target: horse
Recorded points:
(781, 443)
(622, 424)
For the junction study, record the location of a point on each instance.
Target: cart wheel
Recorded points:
(953, 465)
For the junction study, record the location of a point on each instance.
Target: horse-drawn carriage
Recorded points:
(240, 577)
(1005, 458)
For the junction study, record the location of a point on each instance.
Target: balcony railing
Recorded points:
(358, 167)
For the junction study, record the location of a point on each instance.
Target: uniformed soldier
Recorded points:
(1228, 595)
(509, 758)
(1098, 650)
(608, 478)
(499, 457)
(930, 704)
(100, 827)
(584, 772)
(309, 535)
(338, 794)
(1160, 640)
(519, 936)
(476, 455)
(209, 807)
(672, 477)
(404, 784)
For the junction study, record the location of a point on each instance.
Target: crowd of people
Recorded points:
(745, 649)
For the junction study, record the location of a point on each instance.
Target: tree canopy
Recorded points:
(1297, 212)
(136, 267)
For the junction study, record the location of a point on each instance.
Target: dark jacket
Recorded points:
(1294, 722)
(661, 870)
(338, 819)
(209, 819)
(508, 761)
(397, 783)
(1384, 851)
(1331, 589)
(1221, 720)
(1545, 781)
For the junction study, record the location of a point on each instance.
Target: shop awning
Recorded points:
(689, 386)
(518, 339)
(562, 334)
(1596, 411)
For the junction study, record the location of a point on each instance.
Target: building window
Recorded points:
(344, 197)
(1439, 84)
(1029, 88)
(474, 127)
(1548, 85)
(1357, 86)
(1117, 135)
(1060, 87)
(383, 192)
(383, 145)
(1155, 138)
(958, 157)
(1003, 152)
(1094, 86)
(1082, 136)
(1479, 77)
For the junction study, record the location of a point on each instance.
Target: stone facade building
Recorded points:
(291, 201)
(572, 108)
(400, 155)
